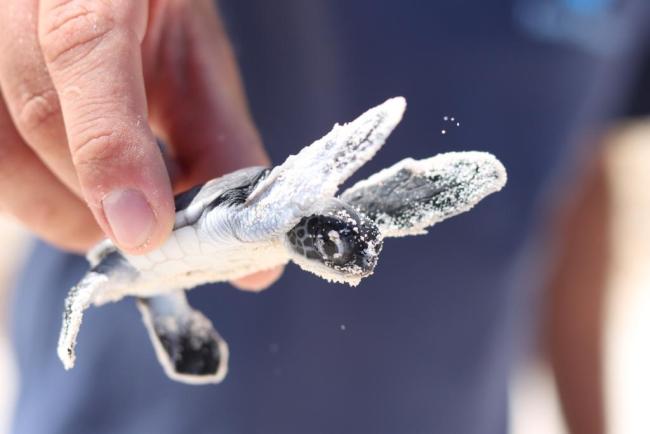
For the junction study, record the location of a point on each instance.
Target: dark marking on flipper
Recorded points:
(191, 356)
(186, 343)
(397, 196)
(413, 195)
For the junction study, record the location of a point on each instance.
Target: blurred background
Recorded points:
(16, 241)
(534, 399)
(532, 81)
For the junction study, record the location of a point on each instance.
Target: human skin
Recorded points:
(86, 87)
(575, 299)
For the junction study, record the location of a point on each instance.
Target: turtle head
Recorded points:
(336, 243)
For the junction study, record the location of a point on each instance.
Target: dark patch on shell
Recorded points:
(183, 200)
(238, 195)
(232, 196)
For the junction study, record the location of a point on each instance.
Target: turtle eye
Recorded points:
(333, 246)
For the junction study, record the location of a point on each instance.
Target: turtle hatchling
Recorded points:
(257, 218)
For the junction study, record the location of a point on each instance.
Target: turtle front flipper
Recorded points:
(292, 189)
(110, 270)
(186, 343)
(412, 195)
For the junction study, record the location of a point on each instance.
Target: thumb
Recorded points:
(92, 51)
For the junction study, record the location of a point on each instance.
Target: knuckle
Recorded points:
(74, 28)
(36, 109)
(95, 150)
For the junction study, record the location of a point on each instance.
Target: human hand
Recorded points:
(86, 86)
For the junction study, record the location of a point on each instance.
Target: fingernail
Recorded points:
(130, 217)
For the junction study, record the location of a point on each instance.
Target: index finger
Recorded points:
(92, 51)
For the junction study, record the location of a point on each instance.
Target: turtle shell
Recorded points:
(228, 190)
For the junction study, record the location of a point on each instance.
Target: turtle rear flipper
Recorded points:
(110, 271)
(412, 195)
(186, 343)
(79, 299)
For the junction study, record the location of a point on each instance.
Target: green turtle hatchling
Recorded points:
(258, 218)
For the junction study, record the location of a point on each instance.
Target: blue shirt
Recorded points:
(424, 345)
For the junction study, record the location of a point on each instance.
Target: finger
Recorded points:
(29, 92)
(196, 96)
(258, 281)
(32, 194)
(92, 51)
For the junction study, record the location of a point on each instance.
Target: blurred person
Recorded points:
(574, 298)
(87, 85)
